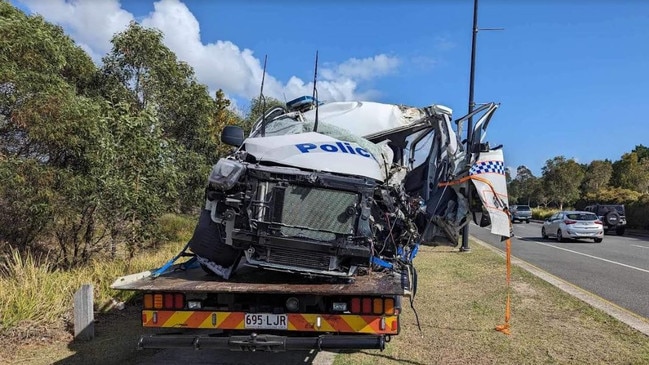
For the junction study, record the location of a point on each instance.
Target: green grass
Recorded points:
(461, 299)
(35, 295)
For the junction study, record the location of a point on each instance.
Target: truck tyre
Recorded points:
(207, 242)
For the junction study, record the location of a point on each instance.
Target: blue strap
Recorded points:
(381, 262)
(168, 264)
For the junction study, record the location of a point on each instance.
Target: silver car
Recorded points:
(573, 224)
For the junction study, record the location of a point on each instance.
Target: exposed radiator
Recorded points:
(314, 213)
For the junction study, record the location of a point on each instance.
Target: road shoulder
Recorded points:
(598, 302)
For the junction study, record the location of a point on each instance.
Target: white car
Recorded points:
(573, 224)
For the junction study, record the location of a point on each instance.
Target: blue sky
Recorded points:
(571, 76)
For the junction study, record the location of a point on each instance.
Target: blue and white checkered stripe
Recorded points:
(485, 167)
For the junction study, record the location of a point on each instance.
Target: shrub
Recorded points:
(542, 213)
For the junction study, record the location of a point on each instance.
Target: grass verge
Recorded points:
(34, 297)
(460, 300)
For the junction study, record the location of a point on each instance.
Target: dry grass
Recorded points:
(460, 300)
(33, 295)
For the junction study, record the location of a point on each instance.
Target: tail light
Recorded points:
(598, 222)
(366, 305)
(569, 221)
(388, 306)
(377, 306)
(373, 305)
(164, 301)
(356, 305)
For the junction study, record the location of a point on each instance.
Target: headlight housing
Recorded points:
(226, 173)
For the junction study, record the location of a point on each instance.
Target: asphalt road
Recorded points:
(617, 269)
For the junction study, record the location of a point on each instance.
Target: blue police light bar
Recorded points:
(302, 103)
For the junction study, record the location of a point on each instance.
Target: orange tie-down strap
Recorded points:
(504, 328)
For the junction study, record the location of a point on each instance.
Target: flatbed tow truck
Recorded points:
(267, 310)
(310, 228)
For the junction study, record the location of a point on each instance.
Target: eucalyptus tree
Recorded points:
(561, 180)
(632, 172)
(597, 177)
(155, 80)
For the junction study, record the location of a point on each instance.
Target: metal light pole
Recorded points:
(469, 131)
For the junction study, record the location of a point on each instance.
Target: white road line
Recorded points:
(639, 246)
(593, 257)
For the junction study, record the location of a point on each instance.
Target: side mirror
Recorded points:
(232, 135)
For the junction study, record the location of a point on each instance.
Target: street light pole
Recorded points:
(469, 131)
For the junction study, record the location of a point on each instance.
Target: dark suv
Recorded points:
(611, 215)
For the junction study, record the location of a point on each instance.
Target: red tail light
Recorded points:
(569, 221)
(356, 305)
(367, 305)
(168, 300)
(164, 301)
(179, 301)
(598, 222)
(373, 305)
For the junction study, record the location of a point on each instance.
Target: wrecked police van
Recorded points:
(337, 189)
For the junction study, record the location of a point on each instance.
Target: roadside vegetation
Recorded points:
(35, 295)
(564, 183)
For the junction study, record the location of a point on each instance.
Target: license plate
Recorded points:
(266, 321)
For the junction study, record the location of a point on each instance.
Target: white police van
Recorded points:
(334, 189)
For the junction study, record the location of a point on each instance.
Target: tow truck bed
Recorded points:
(248, 279)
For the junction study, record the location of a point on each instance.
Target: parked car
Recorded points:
(520, 213)
(573, 224)
(611, 215)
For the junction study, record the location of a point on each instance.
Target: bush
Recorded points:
(542, 213)
(175, 227)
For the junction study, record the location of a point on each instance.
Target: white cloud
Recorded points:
(363, 69)
(221, 64)
(91, 24)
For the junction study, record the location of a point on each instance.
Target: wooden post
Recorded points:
(84, 314)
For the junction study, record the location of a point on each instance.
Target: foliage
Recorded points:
(637, 213)
(631, 172)
(542, 213)
(89, 158)
(35, 291)
(257, 107)
(143, 71)
(642, 152)
(612, 196)
(224, 116)
(598, 175)
(561, 179)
